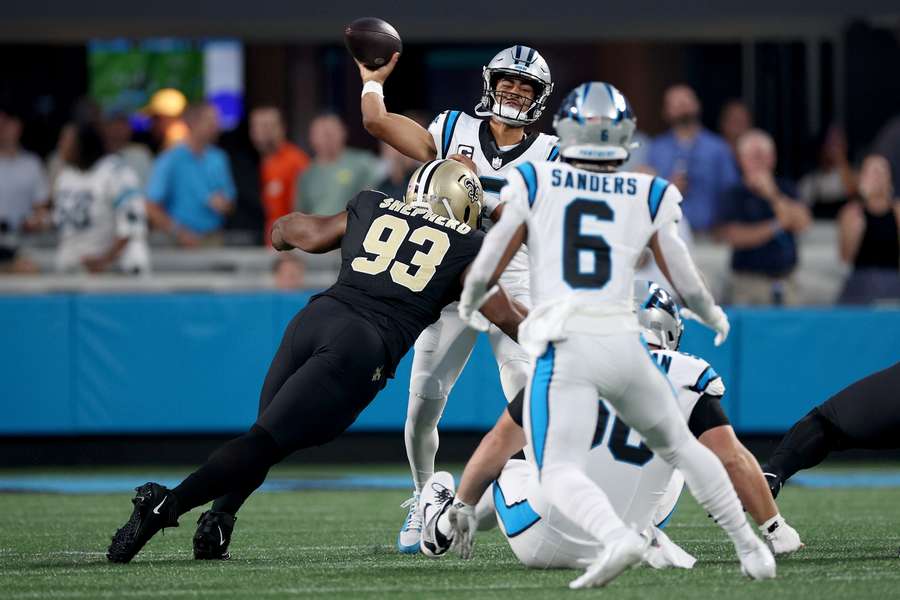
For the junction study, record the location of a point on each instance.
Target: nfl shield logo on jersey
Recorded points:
(497, 162)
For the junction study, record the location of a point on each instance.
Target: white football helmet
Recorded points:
(520, 62)
(595, 124)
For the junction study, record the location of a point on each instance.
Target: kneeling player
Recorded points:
(642, 488)
(402, 262)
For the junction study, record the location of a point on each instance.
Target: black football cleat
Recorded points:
(213, 536)
(774, 481)
(154, 509)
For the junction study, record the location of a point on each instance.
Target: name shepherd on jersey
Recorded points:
(410, 210)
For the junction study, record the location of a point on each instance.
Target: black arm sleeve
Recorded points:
(516, 407)
(707, 414)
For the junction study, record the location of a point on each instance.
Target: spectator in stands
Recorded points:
(337, 172)
(282, 164)
(693, 158)
(24, 193)
(99, 209)
(869, 234)
(117, 133)
(288, 271)
(887, 144)
(191, 189)
(734, 121)
(760, 218)
(828, 188)
(398, 168)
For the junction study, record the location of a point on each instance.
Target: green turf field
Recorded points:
(341, 544)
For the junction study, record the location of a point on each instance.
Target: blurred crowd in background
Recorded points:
(107, 198)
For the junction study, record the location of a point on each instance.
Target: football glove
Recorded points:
(471, 300)
(464, 524)
(718, 322)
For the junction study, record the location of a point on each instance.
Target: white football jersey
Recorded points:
(586, 231)
(94, 208)
(455, 132)
(634, 478)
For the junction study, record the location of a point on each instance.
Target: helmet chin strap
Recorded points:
(446, 204)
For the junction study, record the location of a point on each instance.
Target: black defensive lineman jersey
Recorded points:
(400, 266)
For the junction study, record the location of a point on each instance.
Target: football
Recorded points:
(372, 41)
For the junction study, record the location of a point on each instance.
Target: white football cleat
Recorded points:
(781, 538)
(437, 496)
(624, 549)
(759, 562)
(663, 553)
(411, 532)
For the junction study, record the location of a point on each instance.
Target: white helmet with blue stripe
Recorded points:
(595, 124)
(657, 315)
(520, 62)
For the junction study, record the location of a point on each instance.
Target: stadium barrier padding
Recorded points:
(84, 364)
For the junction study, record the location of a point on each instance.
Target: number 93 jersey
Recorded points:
(400, 265)
(586, 231)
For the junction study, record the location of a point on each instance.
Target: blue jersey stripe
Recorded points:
(517, 517)
(447, 133)
(654, 198)
(530, 177)
(554, 153)
(540, 396)
(704, 380)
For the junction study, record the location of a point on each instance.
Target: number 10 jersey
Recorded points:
(400, 265)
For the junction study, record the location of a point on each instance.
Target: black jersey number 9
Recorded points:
(586, 261)
(383, 240)
(618, 441)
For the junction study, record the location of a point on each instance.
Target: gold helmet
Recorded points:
(447, 188)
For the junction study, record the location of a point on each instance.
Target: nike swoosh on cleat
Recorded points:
(221, 537)
(158, 506)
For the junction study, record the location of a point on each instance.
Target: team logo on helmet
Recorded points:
(471, 188)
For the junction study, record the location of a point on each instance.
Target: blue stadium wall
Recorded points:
(86, 364)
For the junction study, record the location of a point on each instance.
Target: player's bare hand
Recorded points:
(381, 73)
(466, 161)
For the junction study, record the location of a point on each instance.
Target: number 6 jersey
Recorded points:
(400, 265)
(586, 231)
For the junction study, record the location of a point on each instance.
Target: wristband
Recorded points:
(373, 87)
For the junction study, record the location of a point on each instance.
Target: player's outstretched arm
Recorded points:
(504, 312)
(498, 248)
(404, 134)
(310, 233)
(676, 264)
(495, 449)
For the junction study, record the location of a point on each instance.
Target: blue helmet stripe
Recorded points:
(530, 176)
(612, 98)
(654, 198)
(530, 57)
(447, 133)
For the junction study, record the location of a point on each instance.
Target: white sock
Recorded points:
(421, 436)
(708, 482)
